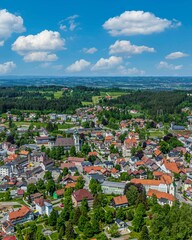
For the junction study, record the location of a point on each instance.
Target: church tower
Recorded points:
(76, 141)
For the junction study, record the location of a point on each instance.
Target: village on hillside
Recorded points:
(88, 179)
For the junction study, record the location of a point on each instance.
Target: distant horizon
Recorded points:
(156, 83)
(99, 76)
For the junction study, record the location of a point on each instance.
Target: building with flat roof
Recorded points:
(113, 187)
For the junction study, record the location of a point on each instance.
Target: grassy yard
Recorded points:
(58, 94)
(21, 124)
(87, 103)
(65, 126)
(156, 133)
(95, 99)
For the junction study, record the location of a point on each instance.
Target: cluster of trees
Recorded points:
(70, 217)
(154, 102)
(169, 142)
(45, 186)
(171, 222)
(35, 98)
(31, 232)
(112, 117)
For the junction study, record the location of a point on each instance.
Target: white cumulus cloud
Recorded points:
(138, 22)
(9, 24)
(40, 57)
(78, 66)
(165, 65)
(107, 63)
(39, 47)
(176, 55)
(7, 67)
(125, 47)
(90, 50)
(43, 41)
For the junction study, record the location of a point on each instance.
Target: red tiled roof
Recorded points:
(82, 193)
(75, 159)
(146, 181)
(20, 213)
(67, 165)
(20, 192)
(160, 195)
(93, 153)
(60, 192)
(108, 138)
(171, 166)
(40, 201)
(113, 170)
(23, 152)
(9, 238)
(166, 178)
(120, 200)
(157, 152)
(92, 168)
(74, 178)
(70, 185)
(157, 174)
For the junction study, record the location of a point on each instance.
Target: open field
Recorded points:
(95, 99)
(156, 133)
(113, 94)
(58, 94)
(87, 103)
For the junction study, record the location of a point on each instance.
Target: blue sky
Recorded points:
(96, 38)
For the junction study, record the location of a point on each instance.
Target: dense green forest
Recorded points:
(153, 101)
(48, 98)
(159, 104)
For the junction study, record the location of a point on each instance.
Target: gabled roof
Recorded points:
(75, 159)
(171, 166)
(92, 168)
(41, 202)
(120, 200)
(82, 193)
(146, 182)
(93, 153)
(64, 142)
(67, 165)
(60, 192)
(20, 213)
(70, 185)
(73, 178)
(161, 195)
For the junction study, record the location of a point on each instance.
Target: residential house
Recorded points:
(120, 201)
(77, 161)
(47, 164)
(58, 194)
(121, 225)
(7, 227)
(38, 156)
(79, 195)
(6, 170)
(43, 206)
(22, 215)
(162, 197)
